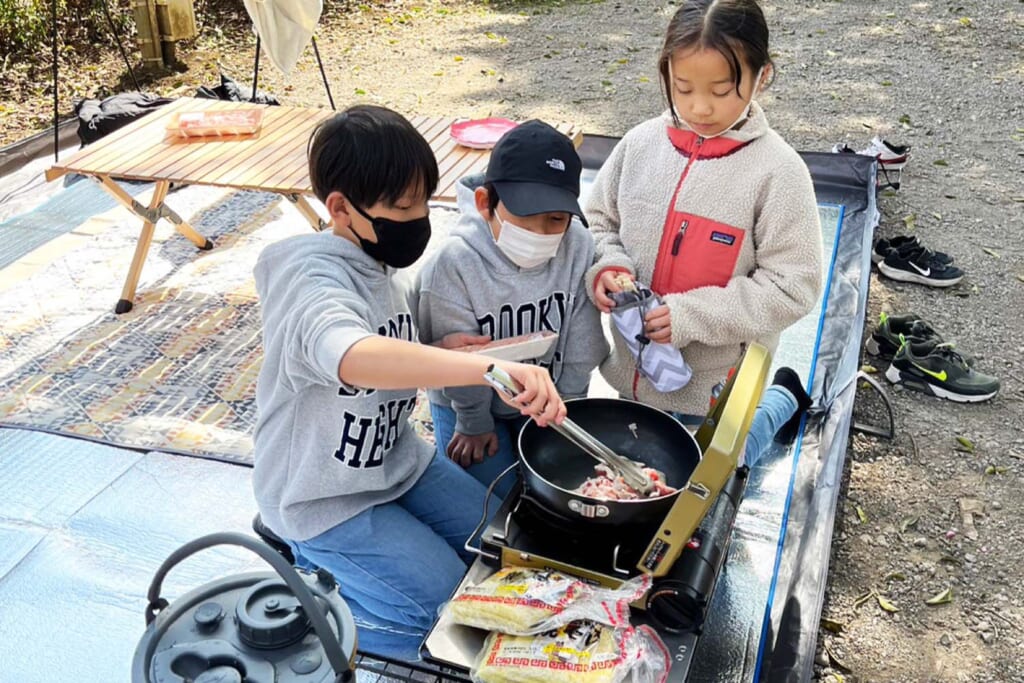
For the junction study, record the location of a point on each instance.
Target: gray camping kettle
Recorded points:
(257, 627)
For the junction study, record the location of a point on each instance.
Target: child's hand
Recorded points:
(610, 281)
(466, 450)
(539, 398)
(457, 339)
(658, 325)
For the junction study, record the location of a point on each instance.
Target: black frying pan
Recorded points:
(552, 466)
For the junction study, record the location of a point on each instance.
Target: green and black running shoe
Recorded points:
(936, 369)
(885, 339)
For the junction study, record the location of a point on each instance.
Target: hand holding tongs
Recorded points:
(618, 465)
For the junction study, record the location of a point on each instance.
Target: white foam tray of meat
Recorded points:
(524, 347)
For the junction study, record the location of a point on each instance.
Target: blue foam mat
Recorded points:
(58, 215)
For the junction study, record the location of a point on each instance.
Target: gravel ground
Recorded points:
(944, 76)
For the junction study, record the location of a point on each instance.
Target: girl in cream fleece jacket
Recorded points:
(710, 206)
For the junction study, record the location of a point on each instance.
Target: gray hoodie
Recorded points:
(324, 452)
(469, 285)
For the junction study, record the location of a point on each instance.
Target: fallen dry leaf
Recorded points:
(863, 598)
(886, 605)
(940, 598)
(832, 625)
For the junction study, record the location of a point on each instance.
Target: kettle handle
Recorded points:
(332, 648)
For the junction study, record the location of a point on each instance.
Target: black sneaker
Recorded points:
(791, 382)
(914, 264)
(884, 246)
(935, 369)
(885, 339)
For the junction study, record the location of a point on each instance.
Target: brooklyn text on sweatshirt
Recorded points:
(470, 285)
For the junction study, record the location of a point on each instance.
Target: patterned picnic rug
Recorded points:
(175, 374)
(178, 372)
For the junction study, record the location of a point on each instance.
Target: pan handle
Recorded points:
(468, 545)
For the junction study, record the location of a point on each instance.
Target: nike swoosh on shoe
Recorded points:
(941, 376)
(924, 271)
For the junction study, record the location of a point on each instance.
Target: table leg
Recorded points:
(149, 215)
(141, 248)
(155, 213)
(185, 229)
(302, 204)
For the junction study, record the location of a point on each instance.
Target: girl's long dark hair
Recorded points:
(735, 28)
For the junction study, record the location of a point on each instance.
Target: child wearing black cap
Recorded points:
(339, 475)
(513, 265)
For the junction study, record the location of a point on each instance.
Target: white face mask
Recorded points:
(527, 249)
(743, 114)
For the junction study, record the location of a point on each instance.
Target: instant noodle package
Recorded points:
(578, 652)
(550, 627)
(523, 601)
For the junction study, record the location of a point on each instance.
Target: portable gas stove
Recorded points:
(684, 555)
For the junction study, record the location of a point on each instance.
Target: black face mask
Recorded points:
(399, 243)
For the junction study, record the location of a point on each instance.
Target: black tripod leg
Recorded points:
(323, 74)
(256, 70)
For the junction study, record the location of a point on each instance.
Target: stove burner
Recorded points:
(524, 532)
(525, 525)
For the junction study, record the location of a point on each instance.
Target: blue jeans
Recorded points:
(776, 407)
(397, 563)
(493, 465)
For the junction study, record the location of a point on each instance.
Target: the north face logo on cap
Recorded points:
(556, 164)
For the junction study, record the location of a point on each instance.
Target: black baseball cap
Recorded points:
(535, 169)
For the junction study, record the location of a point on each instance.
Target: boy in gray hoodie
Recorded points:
(514, 265)
(339, 474)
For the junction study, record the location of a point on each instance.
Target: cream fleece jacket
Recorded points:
(739, 262)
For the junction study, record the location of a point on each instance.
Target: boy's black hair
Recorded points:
(735, 28)
(370, 154)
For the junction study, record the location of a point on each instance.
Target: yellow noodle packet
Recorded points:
(523, 601)
(578, 652)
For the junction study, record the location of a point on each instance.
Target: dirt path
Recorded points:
(944, 76)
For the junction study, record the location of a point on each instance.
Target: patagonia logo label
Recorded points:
(722, 238)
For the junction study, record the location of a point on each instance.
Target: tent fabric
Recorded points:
(99, 118)
(285, 27)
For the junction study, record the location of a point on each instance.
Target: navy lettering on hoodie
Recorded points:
(365, 441)
(527, 318)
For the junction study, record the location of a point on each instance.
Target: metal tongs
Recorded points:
(619, 465)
